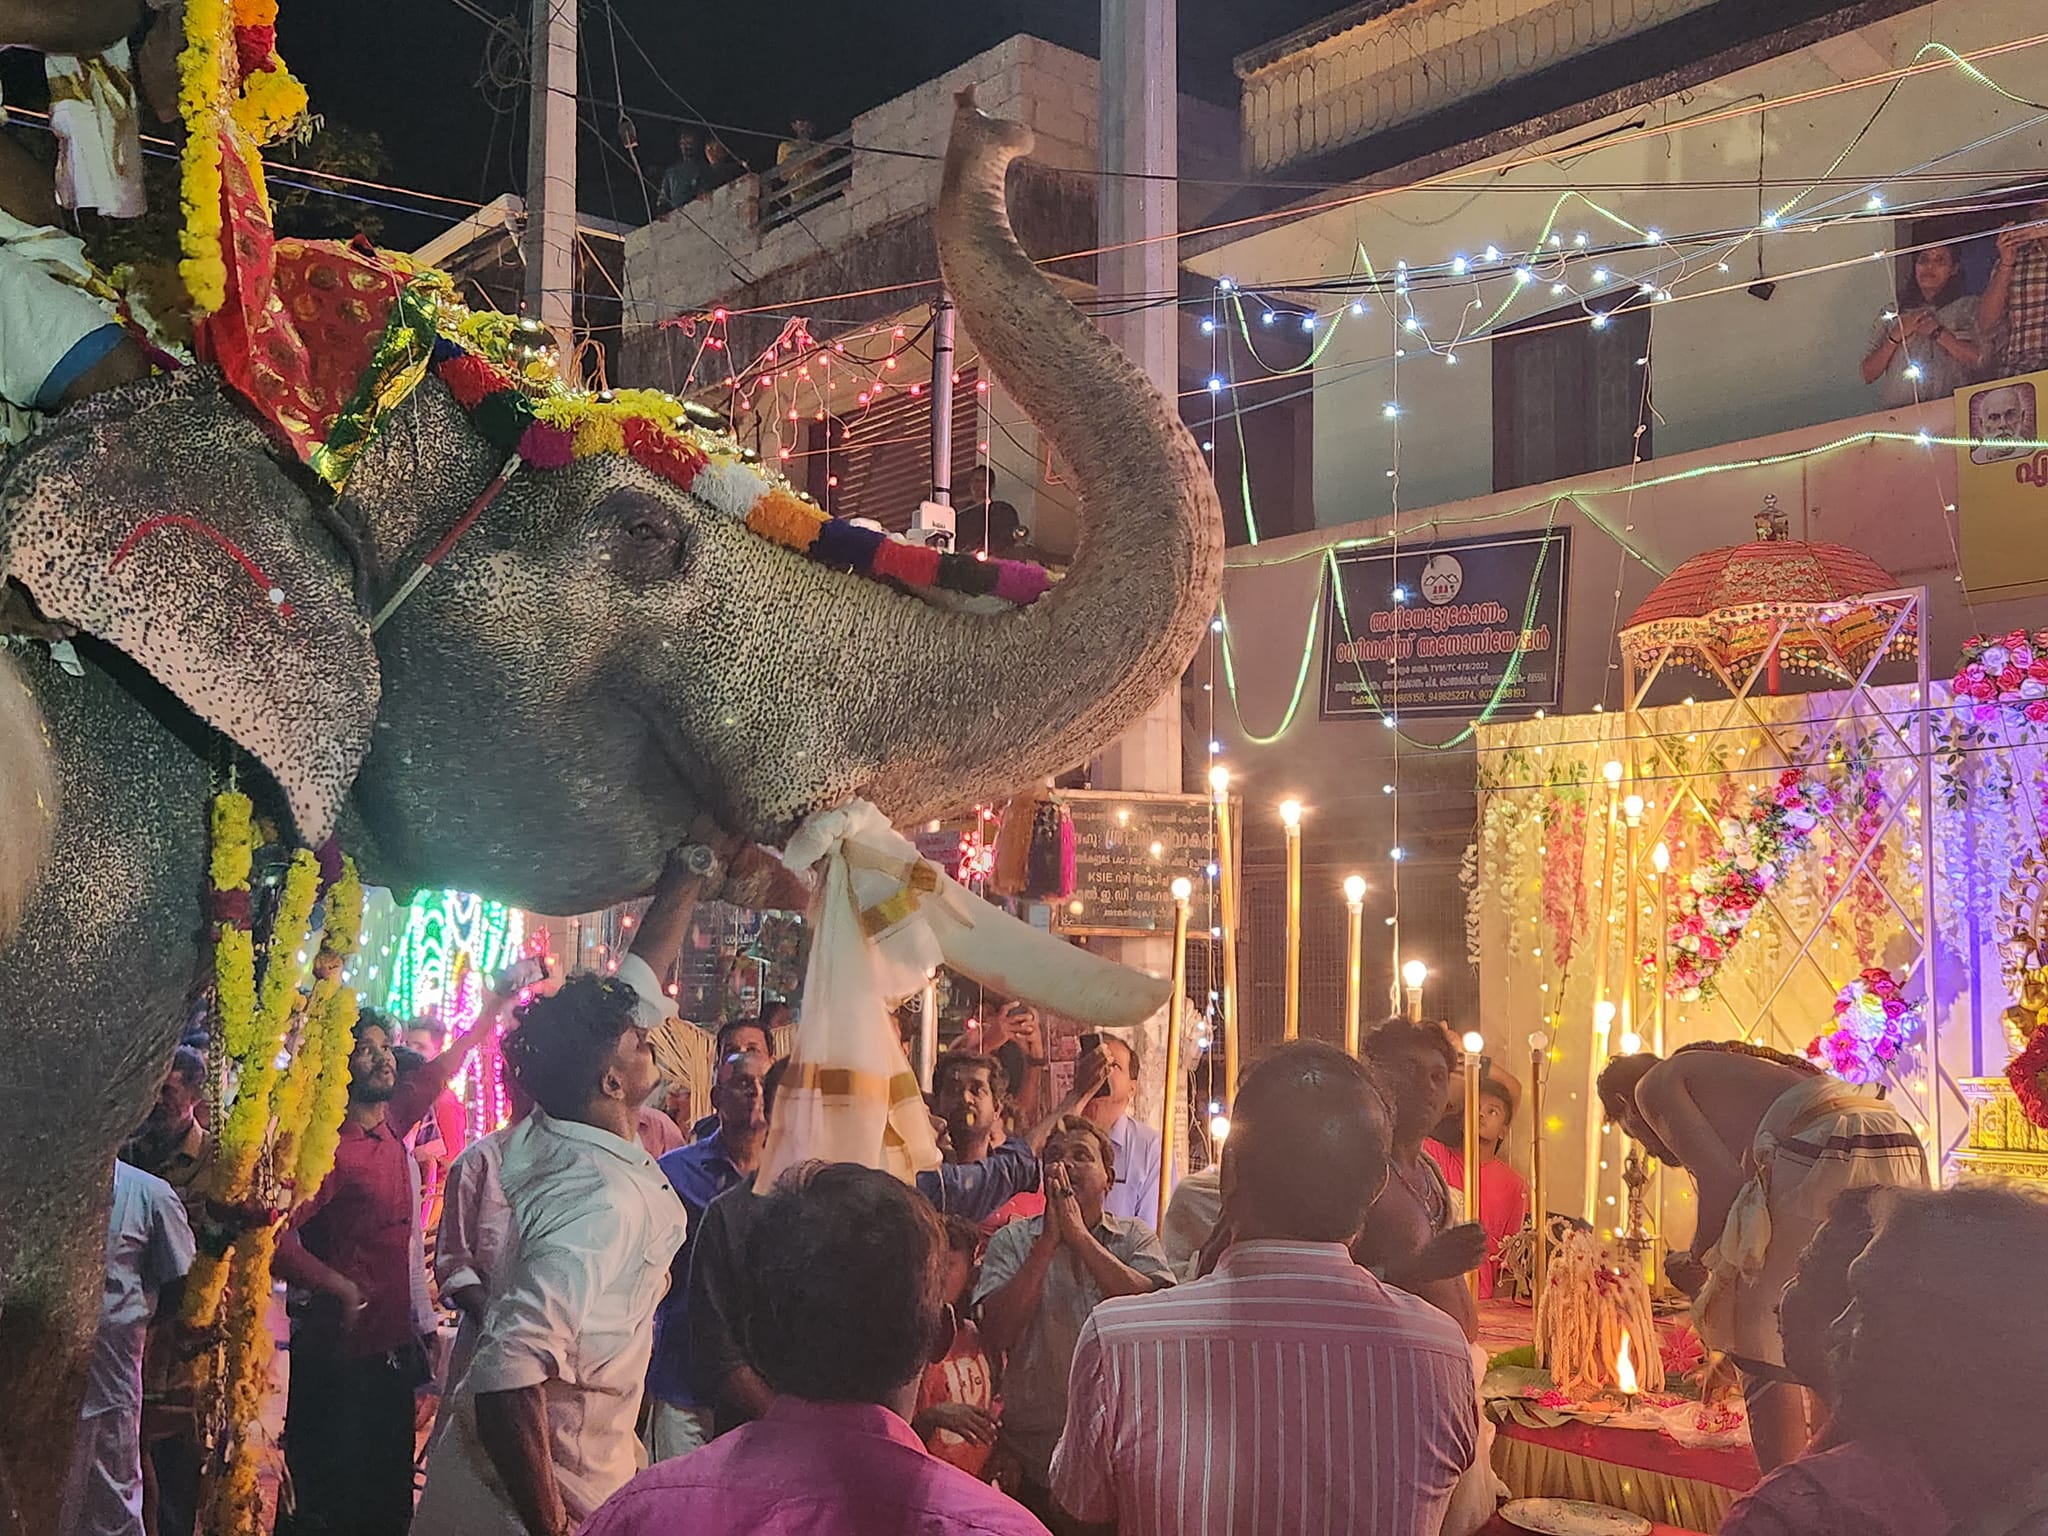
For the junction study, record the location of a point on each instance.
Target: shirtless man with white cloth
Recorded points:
(1771, 1140)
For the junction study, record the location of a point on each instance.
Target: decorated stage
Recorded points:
(1666, 1456)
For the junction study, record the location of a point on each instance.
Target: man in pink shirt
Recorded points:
(848, 1268)
(1290, 1390)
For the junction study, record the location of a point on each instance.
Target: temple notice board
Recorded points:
(1127, 850)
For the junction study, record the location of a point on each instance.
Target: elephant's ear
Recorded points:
(157, 518)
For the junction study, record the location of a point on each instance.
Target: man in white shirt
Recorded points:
(149, 1251)
(1135, 1195)
(541, 1429)
(475, 1236)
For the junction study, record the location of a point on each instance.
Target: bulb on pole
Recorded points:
(1612, 772)
(1413, 975)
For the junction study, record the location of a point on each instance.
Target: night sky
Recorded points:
(415, 78)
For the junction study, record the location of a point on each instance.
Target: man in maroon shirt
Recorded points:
(355, 1357)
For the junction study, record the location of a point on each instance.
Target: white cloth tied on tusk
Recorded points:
(849, 1095)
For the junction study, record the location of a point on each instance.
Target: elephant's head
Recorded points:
(603, 657)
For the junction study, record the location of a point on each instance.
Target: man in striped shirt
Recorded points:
(1290, 1390)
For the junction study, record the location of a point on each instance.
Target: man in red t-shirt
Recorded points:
(956, 1406)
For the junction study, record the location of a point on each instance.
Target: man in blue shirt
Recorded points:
(984, 1168)
(678, 1420)
(754, 1036)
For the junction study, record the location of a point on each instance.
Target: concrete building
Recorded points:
(854, 218)
(1562, 272)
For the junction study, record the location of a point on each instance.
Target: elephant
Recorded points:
(597, 663)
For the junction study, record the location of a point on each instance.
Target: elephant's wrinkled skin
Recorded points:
(599, 661)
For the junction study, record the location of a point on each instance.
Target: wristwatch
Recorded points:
(703, 862)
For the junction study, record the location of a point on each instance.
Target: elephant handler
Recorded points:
(1770, 1140)
(541, 1430)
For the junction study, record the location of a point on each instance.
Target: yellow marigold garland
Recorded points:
(242, 1134)
(202, 103)
(234, 851)
(218, 102)
(329, 1035)
(329, 1098)
(236, 1502)
(307, 1104)
(204, 1287)
(272, 105)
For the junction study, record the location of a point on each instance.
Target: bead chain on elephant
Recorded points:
(600, 660)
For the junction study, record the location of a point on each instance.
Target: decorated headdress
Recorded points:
(326, 339)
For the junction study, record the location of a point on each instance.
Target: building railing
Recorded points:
(814, 175)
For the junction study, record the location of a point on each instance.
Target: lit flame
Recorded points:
(1625, 1370)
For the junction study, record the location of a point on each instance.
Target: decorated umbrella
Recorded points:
(1719, 610)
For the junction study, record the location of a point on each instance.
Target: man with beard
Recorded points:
(1410, 1239)
(1771, 1140)
(984, 1168)
(356, 1355)
(173, 1142)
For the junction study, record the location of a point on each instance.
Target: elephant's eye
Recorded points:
(646, 542)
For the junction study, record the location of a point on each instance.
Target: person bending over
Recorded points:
(1770, 1140)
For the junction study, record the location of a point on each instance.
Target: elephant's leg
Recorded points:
(52, 1286)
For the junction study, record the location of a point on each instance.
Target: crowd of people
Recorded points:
(647, 1340)
(705, 162)
(1939, 337)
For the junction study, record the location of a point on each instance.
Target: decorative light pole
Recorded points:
(1475, 1048)
(1226, 900)
(1182, 889)
(1290, 819)
(1354, 901)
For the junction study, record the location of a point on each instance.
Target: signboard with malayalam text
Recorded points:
(1447, 630)
(1128, 848)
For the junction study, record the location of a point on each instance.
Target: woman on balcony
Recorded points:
(1927, 348)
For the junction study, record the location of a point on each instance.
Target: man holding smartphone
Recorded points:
(1135, 1195)
(2014, 309)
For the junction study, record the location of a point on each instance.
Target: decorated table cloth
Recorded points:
(1669, 1458)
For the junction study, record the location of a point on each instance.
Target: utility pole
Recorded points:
(942, 401)
(1137, 201)
(1138, 209)
(550, 243)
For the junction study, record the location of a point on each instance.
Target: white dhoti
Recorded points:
(1815, 1141)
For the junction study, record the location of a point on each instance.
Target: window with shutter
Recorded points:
(1568, 396)
(877, 463)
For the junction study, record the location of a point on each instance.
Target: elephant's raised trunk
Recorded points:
(1001, 701)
